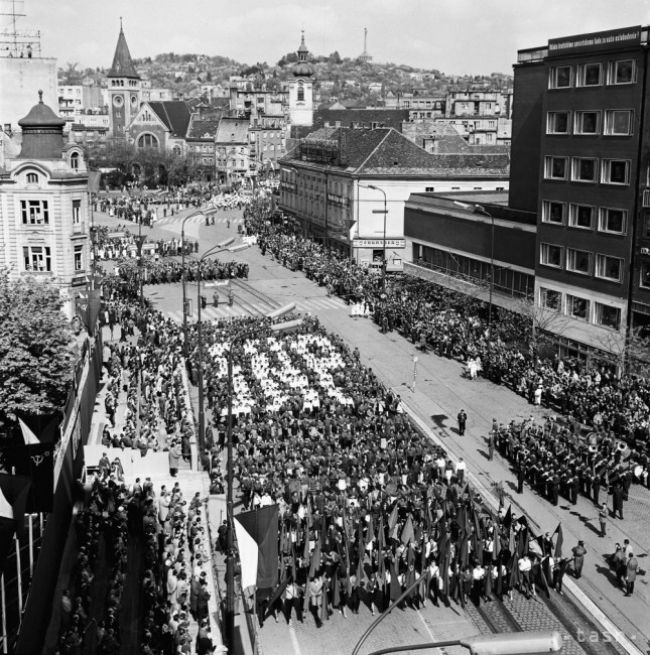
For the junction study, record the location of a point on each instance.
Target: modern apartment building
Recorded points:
(580, 159)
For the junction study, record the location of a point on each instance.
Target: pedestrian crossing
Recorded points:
(224, 311)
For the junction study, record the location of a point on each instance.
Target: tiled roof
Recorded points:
(174, 114)
(202, 128)
(122, 62)
(387, 152)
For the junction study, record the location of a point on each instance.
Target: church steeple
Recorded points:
(122, 62)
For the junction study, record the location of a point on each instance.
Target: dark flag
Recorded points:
(558, 544)
(507, 520)
(395, 588)
(36, 462)
(257, 537)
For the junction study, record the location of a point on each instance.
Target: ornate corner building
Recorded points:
(44, 208)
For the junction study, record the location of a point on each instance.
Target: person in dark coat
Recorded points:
(462, 422)
(579, 553)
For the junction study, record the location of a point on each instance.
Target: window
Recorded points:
(622, 72)
(612, 220)
(301, 92)
(581, 216)
(78, 258)
(615, 171)
(74, 161)
(578, 261)
(551, 255)
(589, 75)
(76, 211)
(586, 122)
(560, 77)
(645, 276)
(550, 299)
(147, 141)
(577, 307)
(34, 212)
(555, 168)
(32, 178)
(608, 316)
(37, 258)
(609, 268)
(553, 212)
(584, 170)
(557, 122)
(618, 122)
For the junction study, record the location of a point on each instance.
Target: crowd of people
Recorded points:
(369, 508)
(169, 271)
(121, 243)
(453, 325)
(166, 536)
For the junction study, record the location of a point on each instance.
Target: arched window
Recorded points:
(147, 141)
(177, 151)
(32, 178)
(74, 161)
(301, 91)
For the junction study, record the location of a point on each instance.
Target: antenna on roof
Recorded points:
(15, 42)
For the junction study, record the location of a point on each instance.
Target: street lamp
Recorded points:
(183, 278)
(229, 614)
(385, 213)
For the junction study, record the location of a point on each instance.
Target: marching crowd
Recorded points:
(163, 272)
(368, 507)
(121, 243)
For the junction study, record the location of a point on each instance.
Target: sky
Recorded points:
(452, 36)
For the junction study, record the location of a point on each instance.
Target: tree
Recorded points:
(36, 348)
(70, 74)
(538, 324)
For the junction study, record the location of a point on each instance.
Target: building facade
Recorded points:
(347, 187)
(580, 126)
(44, 208)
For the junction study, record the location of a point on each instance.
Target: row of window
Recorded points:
(591, 74)
(587, 169)
(36, 212)
(580, 308)
(610, 122)
(585, 217)
(39, 258)
(582, 261)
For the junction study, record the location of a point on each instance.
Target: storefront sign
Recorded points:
(378, 243)
(612, 39)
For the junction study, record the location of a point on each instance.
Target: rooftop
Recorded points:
(122, 63)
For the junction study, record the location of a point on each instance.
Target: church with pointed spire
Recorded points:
(301, 101)
(124, 89)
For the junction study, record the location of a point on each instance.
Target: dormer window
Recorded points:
(32, 178)
(74, 161)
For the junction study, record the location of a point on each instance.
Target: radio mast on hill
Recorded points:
(365, 57)
(13, 41)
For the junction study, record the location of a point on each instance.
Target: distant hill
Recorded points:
(347, 80)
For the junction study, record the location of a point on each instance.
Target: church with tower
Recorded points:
(301, 101)
(124, 89)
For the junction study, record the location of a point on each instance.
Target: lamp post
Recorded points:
(183, 278)
(385, 213)
(229, 614)
(140, 241)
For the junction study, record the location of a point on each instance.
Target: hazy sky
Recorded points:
(454, 36)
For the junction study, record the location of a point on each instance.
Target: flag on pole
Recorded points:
(257, 538)
(408, 534)
(558, 543)
(14, 490)
(36, 462)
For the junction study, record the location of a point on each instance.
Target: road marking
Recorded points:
(426, 626)
(294, 640)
